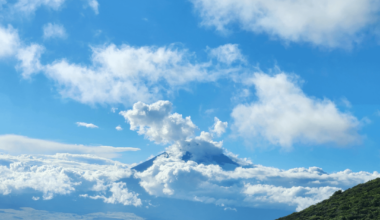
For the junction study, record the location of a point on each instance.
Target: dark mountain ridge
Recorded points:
(359, 202)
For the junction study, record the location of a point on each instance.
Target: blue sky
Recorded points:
(286, 89)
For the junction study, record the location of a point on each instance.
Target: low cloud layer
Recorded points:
(15, 144)
(32, 214)
(329, 23)
(199, 179)
(64, 174)
(284, 115)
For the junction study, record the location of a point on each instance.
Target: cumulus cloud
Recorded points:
(28, 56)
(129, 74)
(54, 31)
(219, 127)
(94, 4)
(30, 6)
(119, 128)
(63, 174)
(15, 144)
(331, 23)
(31, 214)
(87, 125)
(302, 197)
(9, 41)
(156, 122)
(120, 194)
(284, 115)
(120, 75)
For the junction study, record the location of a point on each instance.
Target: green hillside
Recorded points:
(359, 202)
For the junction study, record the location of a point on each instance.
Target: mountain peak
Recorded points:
(218, 159)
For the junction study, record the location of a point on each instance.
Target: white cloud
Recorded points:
(87, 125)
(31, 214)
(54, 31)
(30, 6)
(113, 110)
(219, 127)
(128, 74)
(202, 177)
(156, 122)
(331, 23)
(120, 194)
(258, 186)
(29, 58)
(228, 53)
(284, 115)
(35, 198)
(9, 41)
(302, 197)
(15, 144)
(209, 111)
(94, 4)
(122, 74)
(241, 96)
(119, 128)
(63, 174)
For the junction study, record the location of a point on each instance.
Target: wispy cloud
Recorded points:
(87, 125)
(54, 31)
(94, 4)
(30, 6)
(16, 144)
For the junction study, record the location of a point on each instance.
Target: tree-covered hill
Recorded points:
(360, 202)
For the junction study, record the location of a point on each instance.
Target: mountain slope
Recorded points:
(359, 202)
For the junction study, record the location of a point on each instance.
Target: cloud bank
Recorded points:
(64, 174)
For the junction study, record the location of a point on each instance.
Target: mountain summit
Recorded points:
(220, 159)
